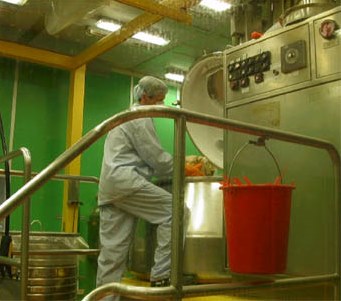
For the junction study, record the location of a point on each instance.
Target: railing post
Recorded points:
(24, 152)
(25, 231)
(178, 204)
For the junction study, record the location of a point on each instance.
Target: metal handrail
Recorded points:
(24, 152)
(59, 177)
(61, 252)
(181, 116)
(167, 293)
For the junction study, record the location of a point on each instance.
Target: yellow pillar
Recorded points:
(74, 132)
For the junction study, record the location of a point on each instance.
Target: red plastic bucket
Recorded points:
(257, 223)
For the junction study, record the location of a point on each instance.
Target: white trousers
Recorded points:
(117, 227)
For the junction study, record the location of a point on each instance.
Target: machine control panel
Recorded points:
(239, 72)
(279, 60)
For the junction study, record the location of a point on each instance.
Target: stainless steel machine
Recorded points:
(289, 79)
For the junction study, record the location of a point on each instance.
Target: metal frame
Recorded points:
(59, 177)
(24, 152)
(176, 291)
(154, 13)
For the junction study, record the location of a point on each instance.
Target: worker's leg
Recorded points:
(154, 205)
(116, 234)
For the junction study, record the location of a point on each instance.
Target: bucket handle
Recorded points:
(259, 142)
(37, 221)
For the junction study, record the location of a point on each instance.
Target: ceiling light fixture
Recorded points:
(216, 5)
(111, 26)
(108, 25)
(150, 38)
(16, 2)
(175, 76)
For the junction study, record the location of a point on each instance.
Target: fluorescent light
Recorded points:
(108, 25)
(216, 5)
(16, 2)
(175, 76)
(149, 38)
(142, 36)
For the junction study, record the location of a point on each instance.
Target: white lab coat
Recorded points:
(132, 155)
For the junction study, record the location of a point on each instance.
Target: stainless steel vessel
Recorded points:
(204, 253)
(53, 271)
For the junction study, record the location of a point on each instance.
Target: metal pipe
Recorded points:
(200, 290)
(178, 205)
(61, 252)
(10, 261)
(14, 105)
(85, 179)
(25, 236)
(24, 152)
(155, 293)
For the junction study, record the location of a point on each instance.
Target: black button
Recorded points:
(259, 77)
(244, 82)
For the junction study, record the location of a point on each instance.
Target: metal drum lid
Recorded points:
(203, 92)
(305, 9)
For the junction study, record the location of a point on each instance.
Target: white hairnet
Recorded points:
(149, 85)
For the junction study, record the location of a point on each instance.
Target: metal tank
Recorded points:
(52, 268)
(204, 252)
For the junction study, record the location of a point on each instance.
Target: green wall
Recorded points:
(40, 126)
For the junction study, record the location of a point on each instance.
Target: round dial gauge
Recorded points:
(327, 29)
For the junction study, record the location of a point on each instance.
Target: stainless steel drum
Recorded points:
(205, 243)
(204, 253)
(53, 274)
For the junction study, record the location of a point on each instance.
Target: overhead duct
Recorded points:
(64, 13)
(305, 9)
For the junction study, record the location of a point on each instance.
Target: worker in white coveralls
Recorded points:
(132, 156)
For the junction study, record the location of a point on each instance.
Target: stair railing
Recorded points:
(181, 116)
(23, 263)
